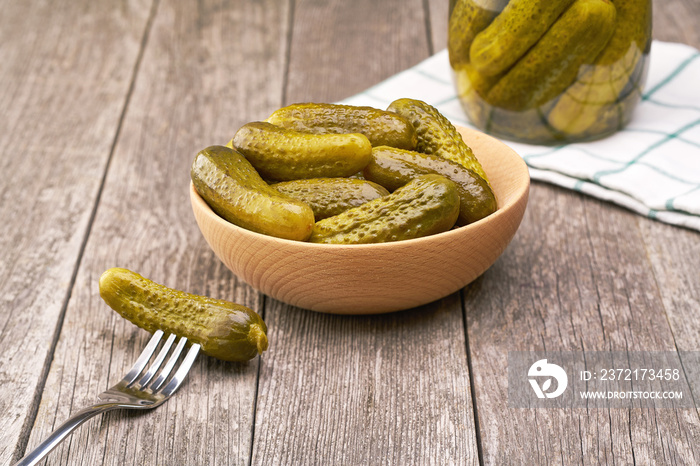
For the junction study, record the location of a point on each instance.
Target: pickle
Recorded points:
(225, 330)
(552, 65)
(236, 192)
(471, 97)
(467, 19)
(427, 205)
(281, 154)
(330, 196)
(393, 168)
(581, 109)
(479, 82)
(608, 118)
(633, 31)
(619, 70)
(517, 28)
(382, 128)
(436, 135)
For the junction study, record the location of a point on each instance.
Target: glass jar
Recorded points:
(549, 71)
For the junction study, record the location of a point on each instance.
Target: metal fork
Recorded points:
(137, 390)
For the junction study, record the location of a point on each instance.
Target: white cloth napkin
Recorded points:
(652, 167)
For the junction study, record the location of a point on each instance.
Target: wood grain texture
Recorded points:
(64, 81)
(677, 21)
(341, 48)
(389, 389)
(189, 81)
(576, 277)
(438, 14)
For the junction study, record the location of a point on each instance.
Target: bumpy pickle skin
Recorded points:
(612, 84)
(281, 154)
(553, 64)
(393, 168)
(427, 205)
(517, 28)
(381, 128)
(331, 196)
(436, 135)
(466, 20)
(225, 330)
(229, 184)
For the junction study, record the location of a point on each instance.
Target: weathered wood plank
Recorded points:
(675, 256)
(65, 75)
(387, 389)
(390, 389)
(576, 277)
(200, 76)
(438, 15)
(342, 48)
(677, 21)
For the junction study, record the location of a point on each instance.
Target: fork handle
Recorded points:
(63, 431)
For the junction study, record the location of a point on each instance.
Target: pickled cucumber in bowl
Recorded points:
(342, 174)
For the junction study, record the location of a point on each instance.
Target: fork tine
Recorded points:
(182, 371)
(158, 382)
(153, 368)
(143, 358)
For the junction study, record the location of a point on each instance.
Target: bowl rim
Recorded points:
(521, 190)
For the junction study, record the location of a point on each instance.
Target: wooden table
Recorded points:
(104, 104)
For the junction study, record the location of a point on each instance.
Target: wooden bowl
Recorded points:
(383, 277)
